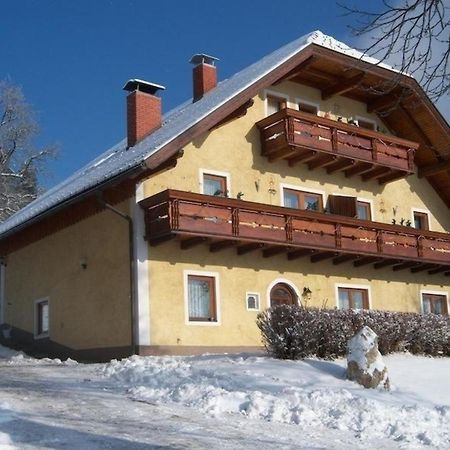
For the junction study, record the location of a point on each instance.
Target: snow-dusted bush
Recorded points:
(293, 332)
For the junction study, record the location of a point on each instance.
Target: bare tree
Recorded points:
(20, 161)
(411, 35)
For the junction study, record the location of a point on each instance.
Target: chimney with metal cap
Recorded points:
(143, 109)
(204, 74)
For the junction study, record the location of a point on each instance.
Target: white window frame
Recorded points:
(296, 187)
(307, 102)
(38, 335)
(367, 119)
(253, 294)
(217, 173)
(352, 286)
(269, 93)
(422, 211)
(201, 273)
(285, 281)
(427, 291)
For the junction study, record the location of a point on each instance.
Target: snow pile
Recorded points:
(6, 353)
(15, 358)
(310, 394)
(5, 416)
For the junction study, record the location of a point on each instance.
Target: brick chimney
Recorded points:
(143, 109)
(204, 74)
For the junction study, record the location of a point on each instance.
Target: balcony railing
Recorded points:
(224, 222)
(300, 137)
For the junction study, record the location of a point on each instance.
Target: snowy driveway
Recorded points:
(53, 405)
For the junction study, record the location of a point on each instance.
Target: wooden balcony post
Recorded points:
(379, 241)
(235, 221)
(374, 143)
(338, 235)
(419, 240)
(410, 154)
(174, 209)
(334, 140)
(288, 228)
(289, 128)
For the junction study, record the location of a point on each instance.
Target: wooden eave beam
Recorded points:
(186, 244)
(376, 172)
(299, 253)
(388, 101)
(421, 268)
(438, 270)
(220, 245)
(392, 176)
(240, 112)
(433, 169)
(342, 86)
(321, 161)
(386, 263)
(365, 260)
(303, 156)
(282, 153)
(272, 251)
(300, 68)
(320, 256)
(341, 164)
(344, 258)
(405, 265)
(358, 169)
(247, 248)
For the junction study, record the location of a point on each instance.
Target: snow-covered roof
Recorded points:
(118, 159)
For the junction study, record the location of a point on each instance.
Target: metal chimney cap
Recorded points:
(202, 58)
(143, 86)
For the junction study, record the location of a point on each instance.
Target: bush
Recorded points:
(293, 332)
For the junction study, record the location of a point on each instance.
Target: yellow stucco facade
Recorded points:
(233, 150)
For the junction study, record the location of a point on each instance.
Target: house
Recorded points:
(314, 176)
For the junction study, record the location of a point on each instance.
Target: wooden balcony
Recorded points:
(224, 222)
(300, 137)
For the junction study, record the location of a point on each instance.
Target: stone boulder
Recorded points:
(364, 361)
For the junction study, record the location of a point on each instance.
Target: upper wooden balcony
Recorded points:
(224, 222)
(300, 137)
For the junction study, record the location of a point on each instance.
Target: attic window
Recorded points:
(215, 185)
(342, 205)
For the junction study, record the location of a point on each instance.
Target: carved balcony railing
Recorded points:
(300, 137)
(223, 222)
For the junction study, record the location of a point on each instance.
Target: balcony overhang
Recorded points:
(223, 223)
(300, 137)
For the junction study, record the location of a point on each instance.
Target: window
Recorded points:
(434, 303)
(215, 185)
(363, 210)
(302, 200)
(282, 294)
(252, 301)
(42, 323)
(421, 221)
(353, 298)
(308, 107)
(275, 104)
(201, 298)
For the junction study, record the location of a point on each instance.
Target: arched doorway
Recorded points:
(282, 294)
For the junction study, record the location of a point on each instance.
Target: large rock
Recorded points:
(365, 364)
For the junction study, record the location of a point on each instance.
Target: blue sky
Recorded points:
(72, 58)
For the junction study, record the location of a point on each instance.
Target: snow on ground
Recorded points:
(220, 401)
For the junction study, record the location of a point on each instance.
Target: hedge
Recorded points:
(293, 332)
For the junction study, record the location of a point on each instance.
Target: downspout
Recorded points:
(131, 264)
(2, 289)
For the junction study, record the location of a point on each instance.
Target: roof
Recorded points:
(118, 160)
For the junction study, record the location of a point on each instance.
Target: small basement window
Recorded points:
(252, 301)
(42, 322)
